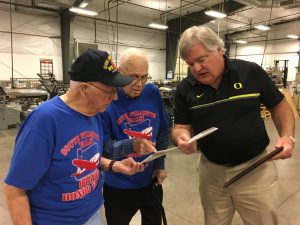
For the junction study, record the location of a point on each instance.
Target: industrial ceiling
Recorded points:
(141, 12)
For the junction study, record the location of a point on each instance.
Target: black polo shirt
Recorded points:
(234, 108)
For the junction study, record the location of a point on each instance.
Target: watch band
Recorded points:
(110, 166)
(292, 139)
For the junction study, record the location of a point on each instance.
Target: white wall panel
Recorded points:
(29, 45)
(151, 41)
(264, 53)
(36, 24)
(5, 24)
(5, 66)
(26, 66)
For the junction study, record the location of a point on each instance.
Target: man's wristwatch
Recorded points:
(110, 165)
(292, 139)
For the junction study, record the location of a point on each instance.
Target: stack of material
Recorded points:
(264, 112)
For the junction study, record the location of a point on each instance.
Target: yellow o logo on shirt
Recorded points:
(237, 85)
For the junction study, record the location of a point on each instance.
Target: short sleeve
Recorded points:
(30, 161)
(270, 95)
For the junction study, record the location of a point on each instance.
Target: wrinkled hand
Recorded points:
(128, 166)
(160, 176)
(143, 146)
(288, 147)
(184, 146)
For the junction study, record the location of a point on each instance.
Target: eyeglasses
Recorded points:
(137, 78)
(110, 93)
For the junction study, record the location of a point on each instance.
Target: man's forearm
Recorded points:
(284, 119)
(18, 205)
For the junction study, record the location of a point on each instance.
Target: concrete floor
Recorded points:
(181, 199)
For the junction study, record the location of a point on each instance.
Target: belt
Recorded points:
(236, 164)
(230, 164)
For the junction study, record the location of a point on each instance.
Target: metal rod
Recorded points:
(253, 166)
(117, 41)
(269, 53)
(95, 26)
(11, 47)
(28, 34)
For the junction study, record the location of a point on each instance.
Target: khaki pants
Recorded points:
(254, 196)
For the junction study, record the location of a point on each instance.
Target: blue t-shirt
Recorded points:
(128, 118)
(56, 160)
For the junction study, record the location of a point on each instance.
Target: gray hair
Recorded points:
(199, 34)
(130, 55)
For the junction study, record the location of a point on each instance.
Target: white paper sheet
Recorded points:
(164, 152)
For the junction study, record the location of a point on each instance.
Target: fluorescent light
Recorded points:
(262, 27)
(83, 4)
(292, 36)
(241, 42)
(158, 26)
(216, 14)
(83, 11)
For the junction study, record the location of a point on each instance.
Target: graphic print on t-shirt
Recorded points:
(137, 124)
(86, 162)
(83, 165)
(139, 130)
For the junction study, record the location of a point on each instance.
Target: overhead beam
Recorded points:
(67, 42)
(179, 25)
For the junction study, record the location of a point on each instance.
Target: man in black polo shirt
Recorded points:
(227, 93)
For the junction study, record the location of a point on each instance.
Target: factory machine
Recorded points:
(167, 90)
(20, 96)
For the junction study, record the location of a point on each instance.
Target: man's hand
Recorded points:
(128, 166)
(287, 145)
(184, 146)
(160, 176)
(143, 146)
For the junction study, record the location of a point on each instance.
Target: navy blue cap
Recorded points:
(95, 65)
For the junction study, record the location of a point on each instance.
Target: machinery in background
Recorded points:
(16, 103)
(48, 81)
(8, 115)
(282, 66)
(167, 89)
(278, 73)
(3, 96)
(289, 89)
(52, 86)
(21, 95)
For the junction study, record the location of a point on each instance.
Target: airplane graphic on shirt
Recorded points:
(84, 166)
(139, 130)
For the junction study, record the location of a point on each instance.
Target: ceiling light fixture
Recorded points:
(292, 36)
(83, 4)
(216, 14)
(83, 11)
(241, 42)
(262, 27)
(158, 26)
